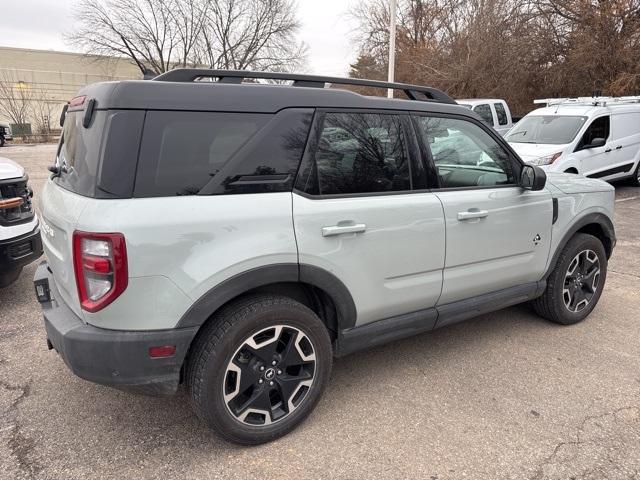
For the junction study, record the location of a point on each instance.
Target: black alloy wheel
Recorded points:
(269, 375)
(581, 281)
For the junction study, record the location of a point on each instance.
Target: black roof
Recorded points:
(178, 91)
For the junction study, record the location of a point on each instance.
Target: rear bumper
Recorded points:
(17, 252)
(113, 357)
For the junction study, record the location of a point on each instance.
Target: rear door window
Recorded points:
(501, 113)
(484, 110)
(362, 153)
(182, 151)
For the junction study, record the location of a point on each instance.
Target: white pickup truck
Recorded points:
(493, 111)
(20, 242)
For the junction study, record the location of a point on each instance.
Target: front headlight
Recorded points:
(547, 160)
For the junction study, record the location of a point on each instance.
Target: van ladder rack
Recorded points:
(595, 101)
(414, 92)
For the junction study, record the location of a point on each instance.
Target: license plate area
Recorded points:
(43, 292)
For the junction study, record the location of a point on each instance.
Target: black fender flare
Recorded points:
(591, 218)
(246, 281)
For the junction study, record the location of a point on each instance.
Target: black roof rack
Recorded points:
(414, 92)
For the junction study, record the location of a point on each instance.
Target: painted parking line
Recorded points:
(626, 199)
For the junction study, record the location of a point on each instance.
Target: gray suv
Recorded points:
(234, 236)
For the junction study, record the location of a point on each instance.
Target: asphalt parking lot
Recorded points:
(504, 396)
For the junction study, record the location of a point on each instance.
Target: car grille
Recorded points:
(12, 189)
(20, 249)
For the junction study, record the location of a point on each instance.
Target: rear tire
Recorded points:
(575, 284)
(259, 368)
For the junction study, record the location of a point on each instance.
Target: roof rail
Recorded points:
(595, 101)
(414, 92)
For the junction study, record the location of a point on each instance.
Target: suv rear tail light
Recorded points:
(100, 263)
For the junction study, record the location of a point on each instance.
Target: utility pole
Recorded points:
(392, 46)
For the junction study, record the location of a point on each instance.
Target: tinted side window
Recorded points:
(269, 161)
(464, 154)
(501, 113)
(362, 153)
(599, 128)
(484, 111)
(182, 151)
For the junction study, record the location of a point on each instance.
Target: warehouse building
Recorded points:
(45, 80)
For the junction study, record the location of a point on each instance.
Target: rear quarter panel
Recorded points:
(178, 248)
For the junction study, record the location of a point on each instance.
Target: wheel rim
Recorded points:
(269, 375)
(581, 281)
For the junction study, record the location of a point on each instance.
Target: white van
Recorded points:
(597, 137)
(493, 111)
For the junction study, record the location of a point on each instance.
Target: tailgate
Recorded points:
(60, 210)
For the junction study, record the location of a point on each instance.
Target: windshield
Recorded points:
(547, 129)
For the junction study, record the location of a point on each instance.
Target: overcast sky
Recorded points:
(326, 29)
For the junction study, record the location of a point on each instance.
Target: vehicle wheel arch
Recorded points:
(319, 290)
(595, 224)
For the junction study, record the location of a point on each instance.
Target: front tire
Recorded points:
(7, 278)
(259, 368)
(635, 180)
(576, 283)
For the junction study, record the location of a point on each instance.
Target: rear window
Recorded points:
(79, 153)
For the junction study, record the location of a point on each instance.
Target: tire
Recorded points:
(567, 306)
(1, 141)
(635, 179)
(279, 328)
(7, 278)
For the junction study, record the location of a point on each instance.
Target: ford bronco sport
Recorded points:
(235, 236)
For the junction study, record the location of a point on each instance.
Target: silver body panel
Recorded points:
(413, 254)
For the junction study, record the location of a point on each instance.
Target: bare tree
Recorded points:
(240, 34)
(515, 49)
(40, 113)
(598, 44)
(158, 35)
(15, 97)
(142, 30)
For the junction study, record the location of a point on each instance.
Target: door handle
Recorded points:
(618, 147)
(341, 229)
(472, 213)
(607, 150)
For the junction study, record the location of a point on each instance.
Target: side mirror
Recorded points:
(532, 178)
(596, 142)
